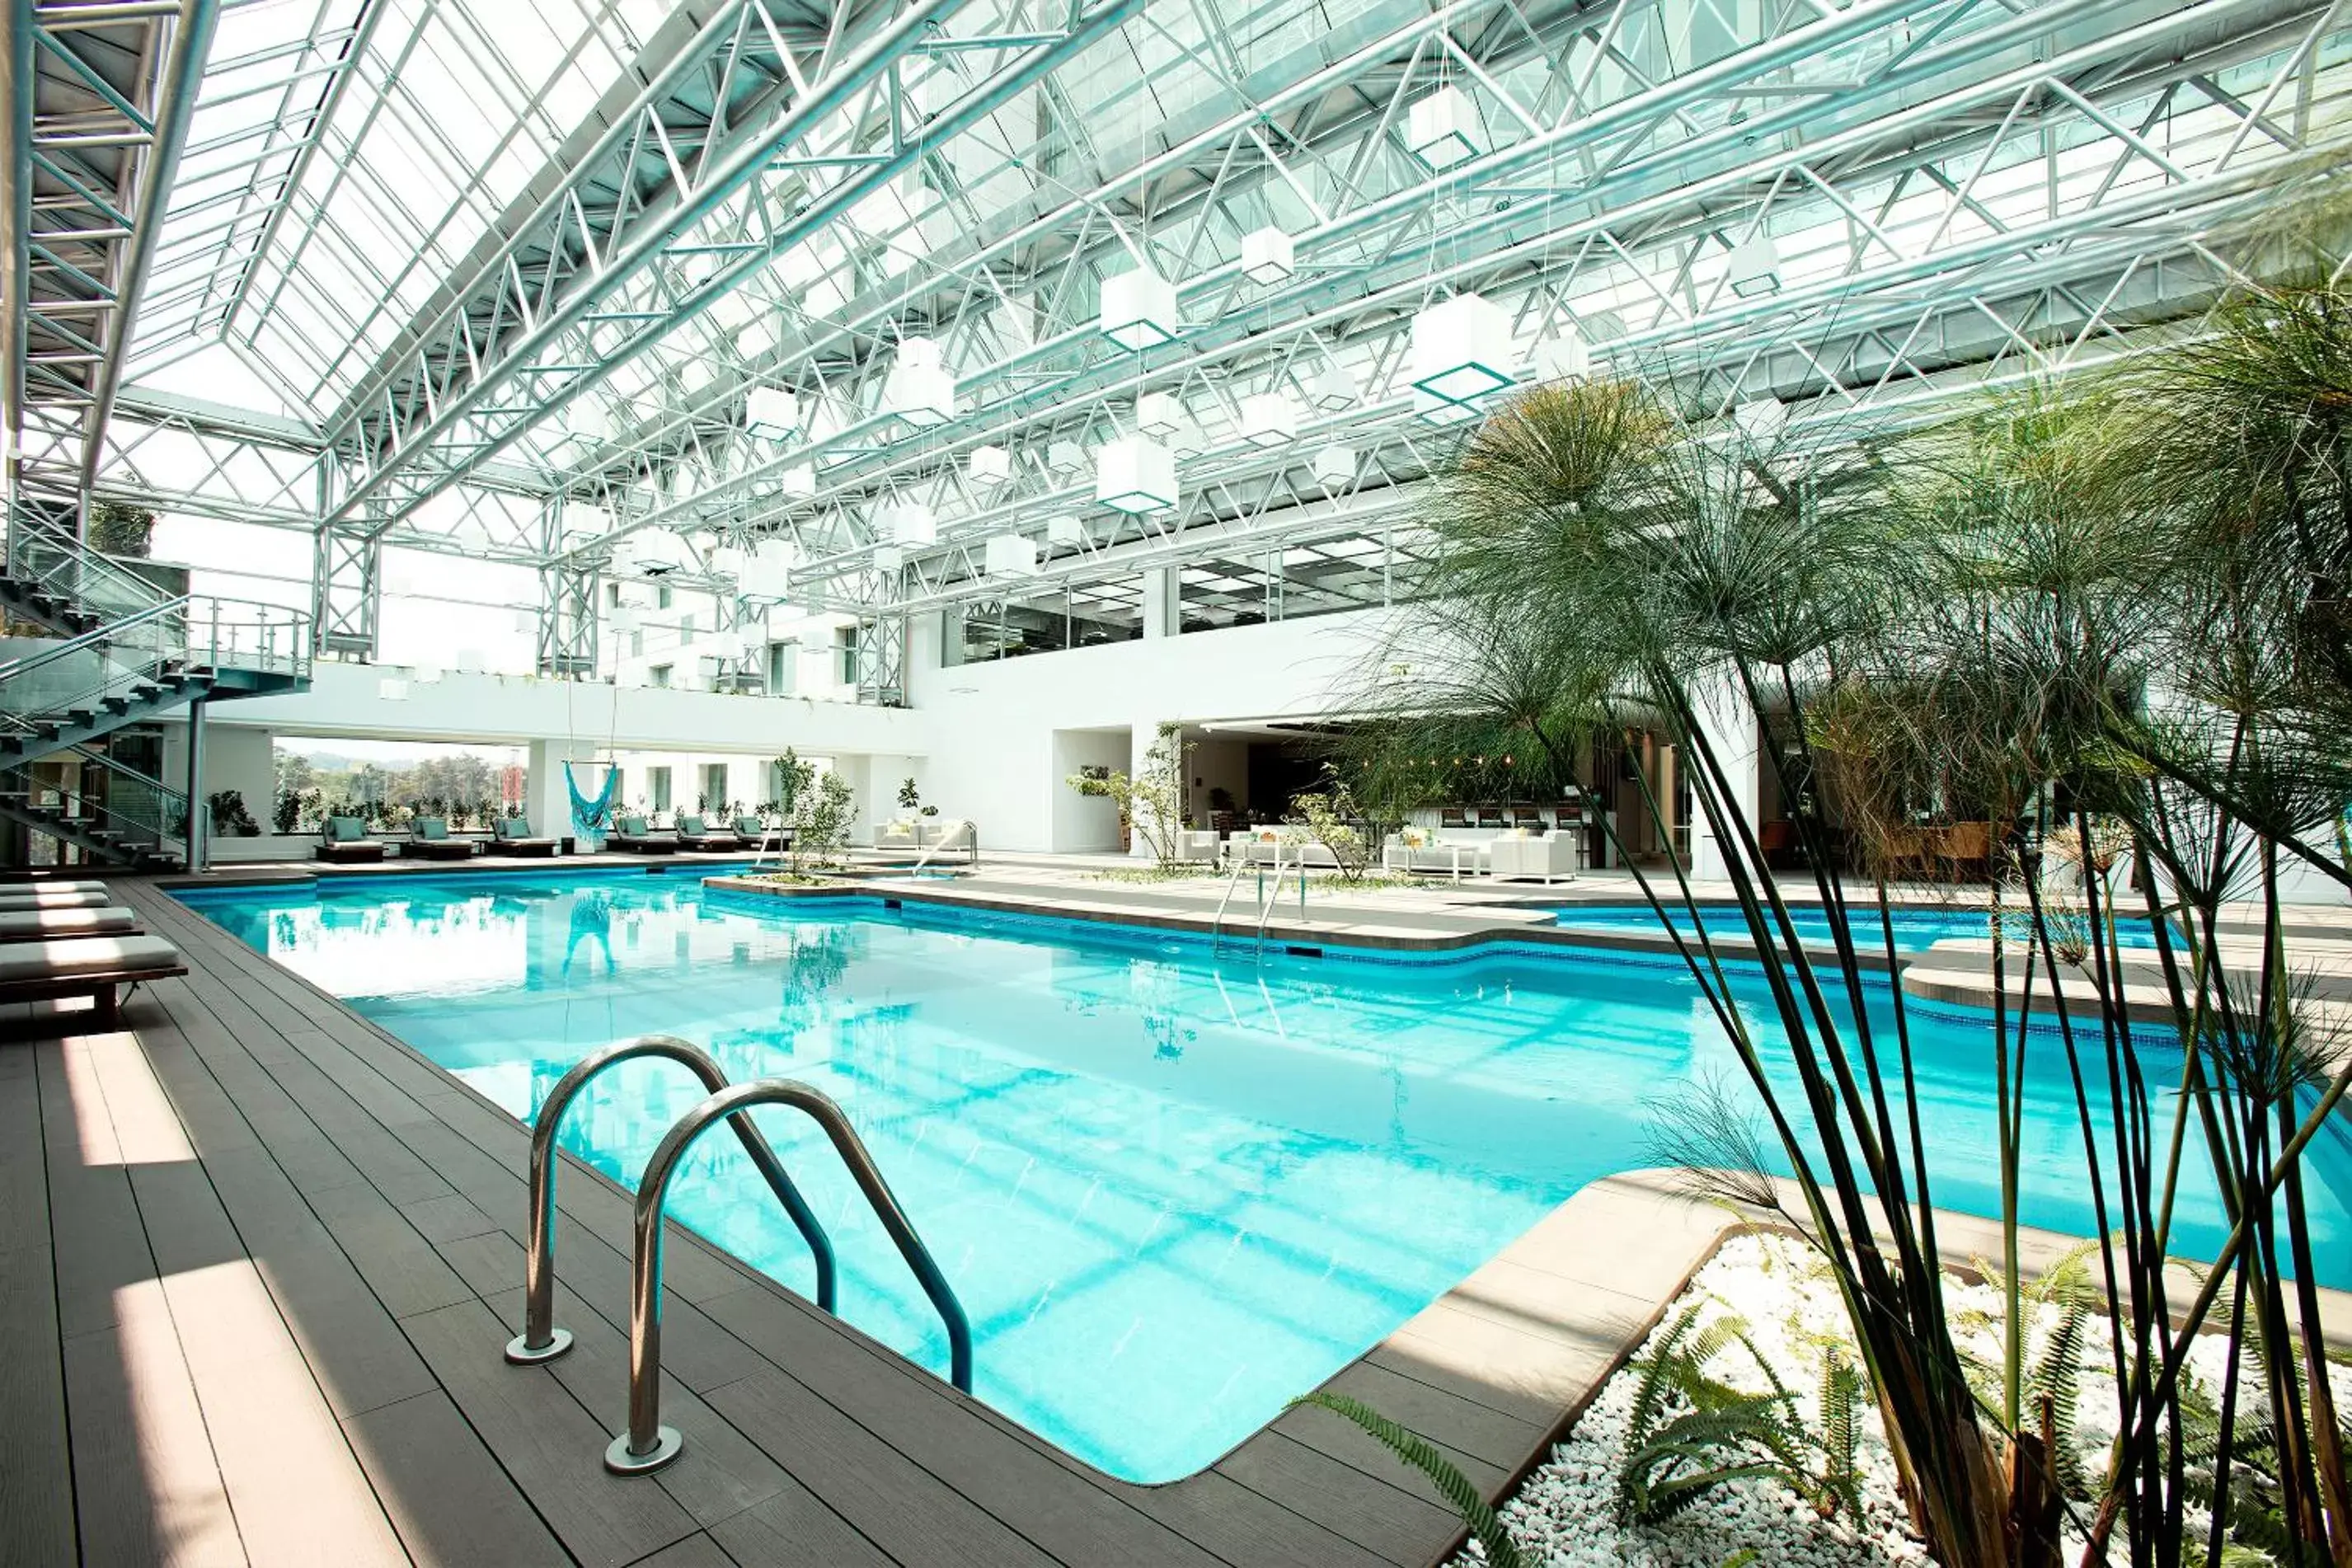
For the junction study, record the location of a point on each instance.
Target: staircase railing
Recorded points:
(50, 560)
(80, 673)
(145, 821)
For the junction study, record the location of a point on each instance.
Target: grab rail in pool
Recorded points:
(541, 1340)
(648, 1445)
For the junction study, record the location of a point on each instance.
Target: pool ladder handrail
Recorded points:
(541, 1340)
(647, 1445)
(1266, 901)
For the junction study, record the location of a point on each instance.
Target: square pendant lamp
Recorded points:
(1335, 465)
(1755, 266)
(989, 466)
(1442, 130)
(771, 414)
(1563, 357)
(1462, 348)
(727, 560)
(1333, 388)
(918, 388)
(1268, 255)
(798, 482)
(910, 522)
(767, 570)
(1762, 419)
(889, 557)
(651, 552)
(1158, 414)
(1139, 310)
(1009, 556)
(1064, 530)
(1065, 458)
(1269, 419)
(1133, 474)
(1187, 440)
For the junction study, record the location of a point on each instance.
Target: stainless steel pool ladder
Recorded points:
(648, 1445)
(1265, 902)
(541, 1340)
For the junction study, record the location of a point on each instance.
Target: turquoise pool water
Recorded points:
(1172, 1191)
(1916, 929)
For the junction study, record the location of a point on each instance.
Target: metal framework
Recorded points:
(1856, 210)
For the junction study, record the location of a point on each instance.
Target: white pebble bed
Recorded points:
(1565, 1514)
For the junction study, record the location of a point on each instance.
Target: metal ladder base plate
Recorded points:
(522, 1352)
(622, 1461)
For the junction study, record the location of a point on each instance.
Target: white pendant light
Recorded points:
(1333, 388)
(768, 572)
(727, 560)
(910, 522)
(918, 388)
(1762, 419)
(1268, 255)
(1442, 130)
(1065, 530)
(771, 414)
(654, 552)
(1010, 555)
(1462, 348)
(989, 466)
(1065, 458)
(1269, 419)
(1563, 357)
(1755, 266)
(1188, 440)
(798, 482)
(1135, 474)
(889, 557)
(1158, 414)
(1139, 310)
(1335, 465)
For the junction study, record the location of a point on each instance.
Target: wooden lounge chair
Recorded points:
(92, 967)
(512, 835)
(428, 839)
(344, 838)
(29, 898)
(629, 835)
(694, 833)
(52, 925)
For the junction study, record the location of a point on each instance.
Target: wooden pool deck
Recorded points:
(261, 1259)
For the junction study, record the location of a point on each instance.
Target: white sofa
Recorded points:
(1192, 845)
(1248, 846)
(1547, 858)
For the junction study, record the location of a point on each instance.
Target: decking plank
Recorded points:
(449, 1499)
(1394, 1524)
(36, 1482)
(551, 1445)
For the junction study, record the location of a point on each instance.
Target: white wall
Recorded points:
(1084, 825)
(997, 725)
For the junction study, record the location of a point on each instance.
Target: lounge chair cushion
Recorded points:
(630, 828)
(84, 885)
(749, 827)
(346, 829)
(43, 925)
(435, 829)
(690, 827)
(512, 827)
(14, 899)
(28, 962)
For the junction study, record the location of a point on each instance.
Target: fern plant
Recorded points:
(1459, 1492)
(1692, 1432)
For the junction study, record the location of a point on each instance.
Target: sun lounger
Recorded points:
(92, 967)
(54, 885)
(693, 833)
(29, 898)
(629, 835)
(512, 835)
(51, 925)
(345, 839)
(757, 835)
(428, 839)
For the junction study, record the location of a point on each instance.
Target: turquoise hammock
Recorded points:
(592, 818)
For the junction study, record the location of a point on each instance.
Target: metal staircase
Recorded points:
(125, 652)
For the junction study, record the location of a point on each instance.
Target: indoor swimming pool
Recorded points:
(1173, 1190)
(1917, 927)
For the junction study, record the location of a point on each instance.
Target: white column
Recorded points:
(547, 797)
(1730, 729)
(1162, 615)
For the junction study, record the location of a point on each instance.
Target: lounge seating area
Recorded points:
(344, 840)
(512, 835)
(430, 840)
(695, 832)
(64, 939)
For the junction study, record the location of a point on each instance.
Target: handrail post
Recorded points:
(647, 1445)
(541, 1340)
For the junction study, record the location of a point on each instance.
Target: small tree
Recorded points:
(1152, 804)
(1324, 819)
(793, 777)
(821, 815)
